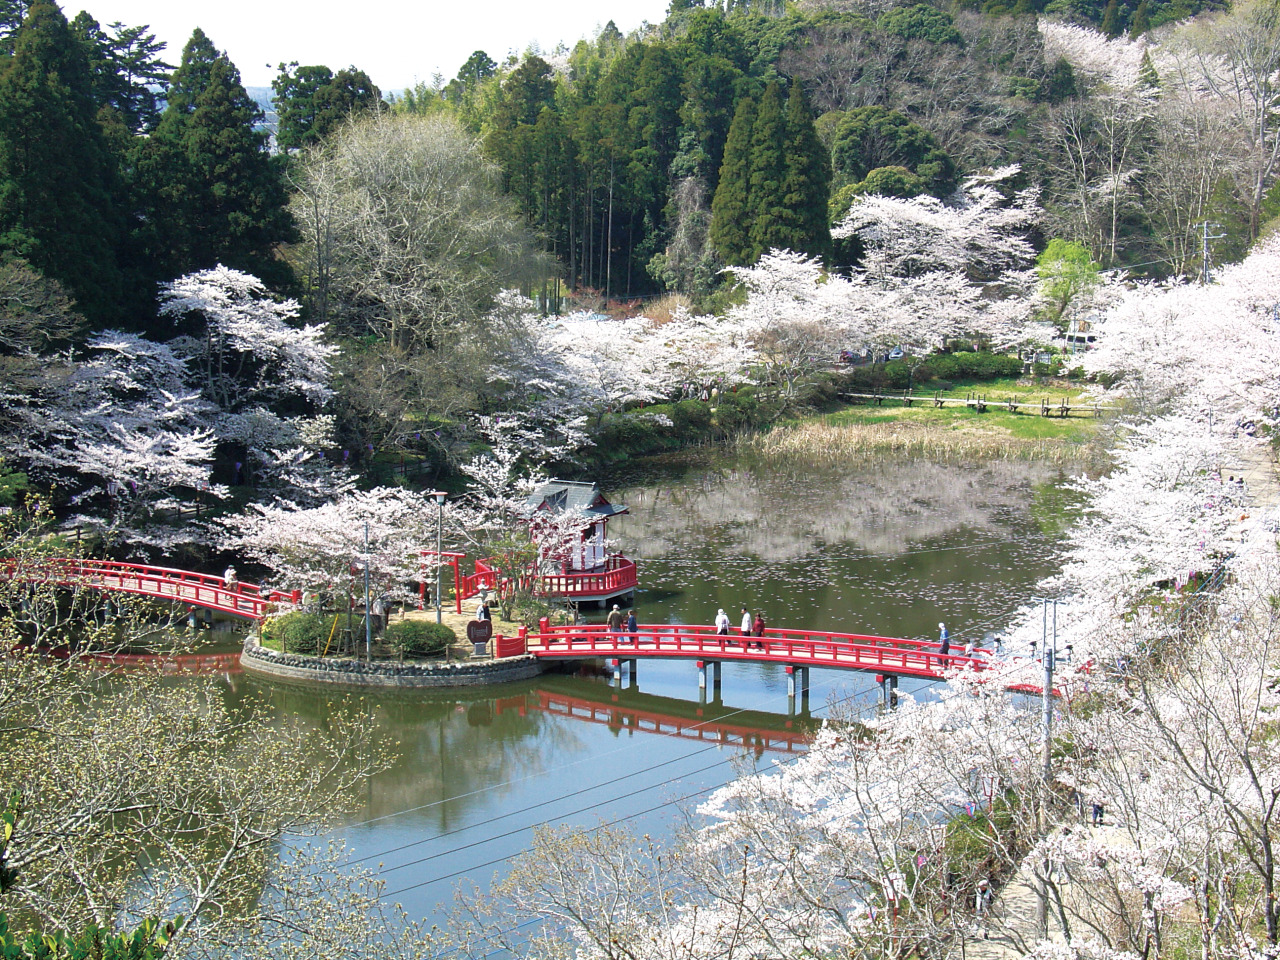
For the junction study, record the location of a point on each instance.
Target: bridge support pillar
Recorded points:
(803, 672)
(888, 691)
(702, 679)
(616, 664)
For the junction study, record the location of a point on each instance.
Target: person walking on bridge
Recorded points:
(722, 623)
(746, 622)
(616, 619)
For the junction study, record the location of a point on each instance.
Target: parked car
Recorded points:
(896, 353)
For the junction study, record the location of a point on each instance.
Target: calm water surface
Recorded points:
(889, 549)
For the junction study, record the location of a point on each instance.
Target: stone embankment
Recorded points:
(384, 673)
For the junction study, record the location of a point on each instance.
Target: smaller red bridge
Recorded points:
(615, 577)
(197, 589)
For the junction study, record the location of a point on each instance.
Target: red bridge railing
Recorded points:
(849, 651)
(247, 600)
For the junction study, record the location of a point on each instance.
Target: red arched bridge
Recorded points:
(796, 650)
(239, 599)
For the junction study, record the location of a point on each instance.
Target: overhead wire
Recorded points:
(594, 758)
(557, 799)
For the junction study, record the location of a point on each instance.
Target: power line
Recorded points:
(557, 799)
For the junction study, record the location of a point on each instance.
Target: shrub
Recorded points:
(420, 637)
(298, 632)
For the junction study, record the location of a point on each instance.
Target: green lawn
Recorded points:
(1026, 423)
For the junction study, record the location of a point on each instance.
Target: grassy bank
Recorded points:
(950, 432)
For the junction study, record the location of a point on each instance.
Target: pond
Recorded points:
(890, 549)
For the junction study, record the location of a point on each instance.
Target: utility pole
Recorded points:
(1205, 237)
(1049, 644)
(1049, 650)
(368, 621)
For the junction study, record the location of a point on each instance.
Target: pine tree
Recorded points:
(1111, 25)
(768, 170)
(731, 205)
(58, 187)
(802, 222)
(312, 101)
(208, 192)
(1141, 21)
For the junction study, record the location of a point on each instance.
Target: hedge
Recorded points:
(420, 637)
(298, 632)
(945, 367)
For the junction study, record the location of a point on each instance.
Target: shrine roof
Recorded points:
(575, 495)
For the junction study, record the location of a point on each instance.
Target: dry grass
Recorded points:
(662, 310)
(835, 444)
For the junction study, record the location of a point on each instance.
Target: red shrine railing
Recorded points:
(617, 576)
(247, 600)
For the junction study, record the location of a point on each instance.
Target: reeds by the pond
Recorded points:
(828, 443)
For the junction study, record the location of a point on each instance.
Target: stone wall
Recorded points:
(385, 673)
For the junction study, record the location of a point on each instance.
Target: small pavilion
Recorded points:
(557, 496)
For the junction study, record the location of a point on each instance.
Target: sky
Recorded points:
(396, 43)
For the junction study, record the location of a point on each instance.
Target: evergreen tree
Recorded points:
(802, 224)
(12, 13)
(126, 69)
(768, 170)
(311, 101)
(58, 187)
(1141, 21)
(731, 205)
(1111, 20)
(207, 190)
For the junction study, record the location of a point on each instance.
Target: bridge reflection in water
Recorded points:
(621, 710)
(630, 711)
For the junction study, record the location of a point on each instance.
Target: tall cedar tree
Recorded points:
(768, 169)
(126, 69)
(731, 205)
(802, 216)
(312, 101)
(208, 191)
(58, 183)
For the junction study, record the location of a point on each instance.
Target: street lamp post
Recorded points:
(439, 496)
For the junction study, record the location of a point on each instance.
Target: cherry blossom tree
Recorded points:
(796, 316)
(131, 428)
(495, 520)
(937, 270)
(316, 548)
(249, 355)
(129, 436)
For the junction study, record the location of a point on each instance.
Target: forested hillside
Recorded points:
(271, 307)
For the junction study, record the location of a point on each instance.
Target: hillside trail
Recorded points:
(1013, 925)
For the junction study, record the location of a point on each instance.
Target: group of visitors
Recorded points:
(750, 626)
